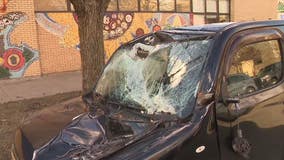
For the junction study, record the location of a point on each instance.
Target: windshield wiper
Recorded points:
(96, 100)
(100, 103)
(131, 106)
(164, 119)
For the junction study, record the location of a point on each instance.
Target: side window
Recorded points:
(255, 67)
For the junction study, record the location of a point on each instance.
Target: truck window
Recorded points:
(257, 66)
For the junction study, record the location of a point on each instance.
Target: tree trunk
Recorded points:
(90, 22)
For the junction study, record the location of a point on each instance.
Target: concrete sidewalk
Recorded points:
(37, 87)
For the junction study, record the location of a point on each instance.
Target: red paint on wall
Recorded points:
(3, 7)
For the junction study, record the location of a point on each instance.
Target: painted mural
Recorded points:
(14, 58)
(118, 27)
(3, 6)
(116, 24)
(280, 9)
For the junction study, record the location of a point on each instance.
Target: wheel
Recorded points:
(250, 89)
(273, 80)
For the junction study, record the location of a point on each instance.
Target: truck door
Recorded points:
(253, 128)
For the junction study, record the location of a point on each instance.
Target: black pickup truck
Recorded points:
(165, 95)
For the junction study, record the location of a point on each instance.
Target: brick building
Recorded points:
(40, 36)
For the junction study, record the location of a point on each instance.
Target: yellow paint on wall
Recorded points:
(70, 38)
(177, 22)
(138, 22)
(1, 61)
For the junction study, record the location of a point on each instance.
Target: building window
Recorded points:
(112, 6)
(183, 5)
(224, 6)
(212, 10)
(211, 6)
(198, 6)
(128, 5)
(50, 5)
(207, 11)
(167, 5)
(211, 19)
(148, 5)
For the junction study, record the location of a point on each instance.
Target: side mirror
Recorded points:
(204, 98)
(240, 144)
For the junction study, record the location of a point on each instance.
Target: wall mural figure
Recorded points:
(50, 25)
(116, 24)
(62, 25)
(14, 59)
(119, 27)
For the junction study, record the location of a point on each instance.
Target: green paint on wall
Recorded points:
(4, 73)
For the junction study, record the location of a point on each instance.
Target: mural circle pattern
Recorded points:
(139, 32)
(13, 59)
(116, 24)
(156, 28)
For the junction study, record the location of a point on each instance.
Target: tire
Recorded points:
(273, 80)
(250, 89)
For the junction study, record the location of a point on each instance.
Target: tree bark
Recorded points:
(90, 24)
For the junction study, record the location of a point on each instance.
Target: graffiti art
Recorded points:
(119, 27)
(14, 59)
(3, 6)
(115, 24)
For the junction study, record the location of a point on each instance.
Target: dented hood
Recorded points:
(99, 135)
(155, 75)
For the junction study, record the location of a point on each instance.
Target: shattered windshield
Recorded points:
(160, 77)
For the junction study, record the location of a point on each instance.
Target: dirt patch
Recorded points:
(13, 114)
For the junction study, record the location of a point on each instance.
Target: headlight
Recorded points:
(265, 78)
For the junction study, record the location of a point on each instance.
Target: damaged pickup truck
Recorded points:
(167, 95)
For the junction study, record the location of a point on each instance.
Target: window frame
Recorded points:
(205, 13)
(189, 9)
(139, 7)
(136, 10)
(159, 8)
(249, 37)
(117, 6)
